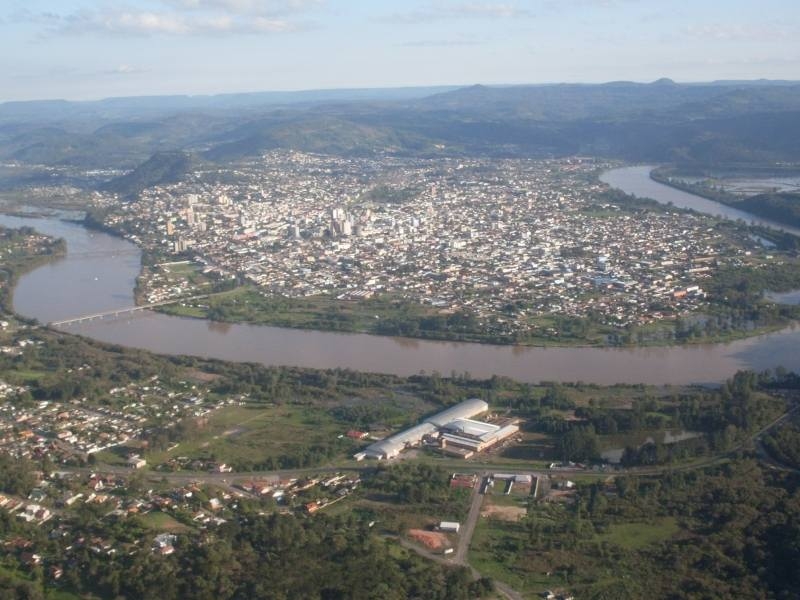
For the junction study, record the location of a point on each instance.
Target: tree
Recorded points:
(579, 444)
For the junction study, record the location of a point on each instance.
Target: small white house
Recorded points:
(449, 526)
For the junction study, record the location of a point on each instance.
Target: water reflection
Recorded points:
(219, 327)
(410, 343)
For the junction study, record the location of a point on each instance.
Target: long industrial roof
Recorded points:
(397, 442)
(462, 410)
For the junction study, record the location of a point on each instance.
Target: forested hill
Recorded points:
(663, 121)
(161, 168)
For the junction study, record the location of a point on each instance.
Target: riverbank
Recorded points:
(99, 274)
(385, 317)
(19, 261)
(783, 216)
(391, 315)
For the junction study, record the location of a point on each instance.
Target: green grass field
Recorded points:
(633, 536)
(163, 522)
(247, 437)
(23, 376)
(504, 550)
(246, 304)
(490, 554)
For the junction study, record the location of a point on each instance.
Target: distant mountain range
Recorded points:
(719, 123)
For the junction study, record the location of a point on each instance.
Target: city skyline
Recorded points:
(92, 49)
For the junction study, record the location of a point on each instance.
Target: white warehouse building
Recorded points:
(462, 412)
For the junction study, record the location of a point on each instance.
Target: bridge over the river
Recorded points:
(121, 312)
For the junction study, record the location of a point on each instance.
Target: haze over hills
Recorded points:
(138, 106)
(753, 122)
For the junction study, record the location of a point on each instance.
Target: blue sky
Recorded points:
(87, 49)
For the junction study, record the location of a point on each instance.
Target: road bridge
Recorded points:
(101, 253)
(121, 312)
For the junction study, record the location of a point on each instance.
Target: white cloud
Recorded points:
(171, 23)
(441, 43)
(247, 7)
(489, 9)
(123, 69)
(739, 32)
(462, 10)
(128, 22)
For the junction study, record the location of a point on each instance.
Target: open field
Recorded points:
(504, 513)
(246, 304)
(245, 437)
(264, 436)
(163, 522)
(633, 536)
(491, 560)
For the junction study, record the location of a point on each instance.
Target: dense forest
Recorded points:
(784, 445)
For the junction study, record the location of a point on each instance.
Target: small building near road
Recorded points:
(136, 462)
(449, 526)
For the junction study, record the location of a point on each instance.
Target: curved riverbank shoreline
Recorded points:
(99, 272)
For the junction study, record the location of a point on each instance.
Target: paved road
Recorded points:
(459, 557)
(468, 527)
(501, 587)
(765, 456)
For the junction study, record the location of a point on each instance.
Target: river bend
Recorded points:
(99, 272)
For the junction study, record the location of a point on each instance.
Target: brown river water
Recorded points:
(99, 272)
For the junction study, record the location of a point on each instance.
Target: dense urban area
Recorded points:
(512, 251)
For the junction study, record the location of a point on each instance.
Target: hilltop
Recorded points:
(711, 124)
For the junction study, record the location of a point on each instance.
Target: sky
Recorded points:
(91, 49)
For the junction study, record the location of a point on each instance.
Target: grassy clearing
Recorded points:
(60, 595)
(491, 555)
(247, 304)
(181, 269)
(515, 498)
(535, 446)
(179, 310)
(23, 377)
(395, 517)
(534, 562)
(113, 456)
(248, 437)
(163, 522)
(502, 550)
(633, 536)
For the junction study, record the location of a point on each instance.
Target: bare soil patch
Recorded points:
(432, 540)
(504, 513)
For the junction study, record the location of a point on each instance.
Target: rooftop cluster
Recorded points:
(505, 241)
